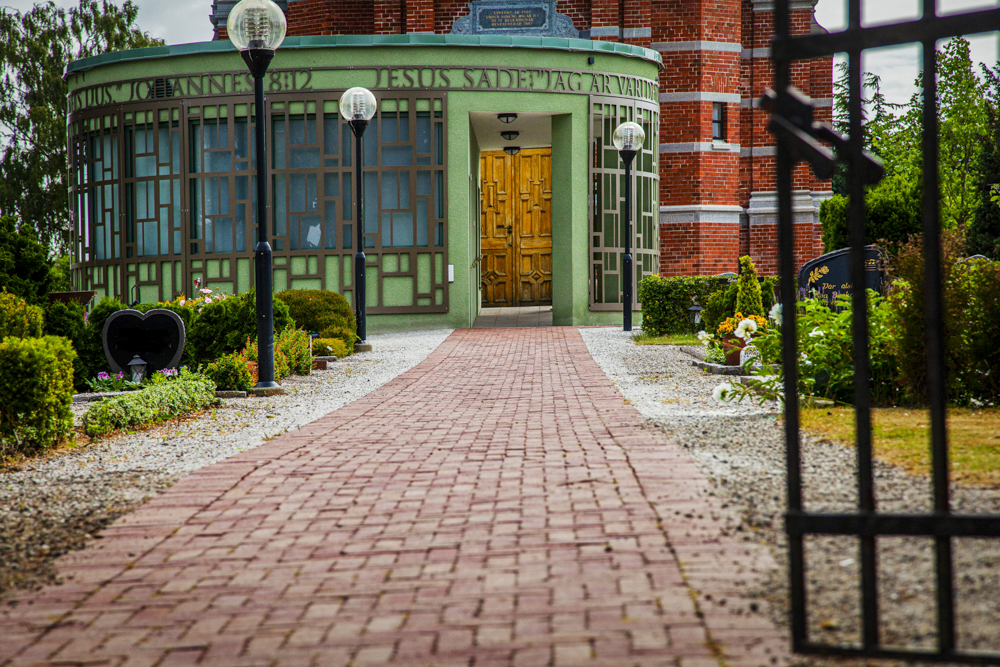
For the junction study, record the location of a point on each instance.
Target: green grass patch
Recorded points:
(644, 338)
(901, 437)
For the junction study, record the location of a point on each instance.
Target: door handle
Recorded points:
(510, 229)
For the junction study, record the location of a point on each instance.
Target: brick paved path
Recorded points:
(499, 504)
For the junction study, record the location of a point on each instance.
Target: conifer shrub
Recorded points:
(36, 390)
(748, 294)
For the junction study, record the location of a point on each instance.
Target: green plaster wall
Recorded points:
(570, 155)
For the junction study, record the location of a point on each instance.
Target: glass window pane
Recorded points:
(422, 222)
(423, 182)
(404, 126)
(296, 131)
(423, 132)
(345, 144)
(348, 207)
(404, 189)
(278, 143)
(311, 232)
(386, 230)
(223, 235)
(331, 184)
(390, 127)
(402, 229)
(330, 226)
(370, 145)
(304, 158)
(280, 212)
(330, 130)
(371, 202)
(397, 156)
(390, 192)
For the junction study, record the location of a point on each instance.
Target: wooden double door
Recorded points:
(516, 228)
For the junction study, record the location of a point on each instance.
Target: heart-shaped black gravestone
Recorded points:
(156, 336)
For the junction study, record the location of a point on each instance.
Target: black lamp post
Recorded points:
(628, 140)
(357, 106)
(257, 28)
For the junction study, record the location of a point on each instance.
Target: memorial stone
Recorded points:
(157, 336)
(536, 18)
(830, 274)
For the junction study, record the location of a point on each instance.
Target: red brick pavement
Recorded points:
(499, 504)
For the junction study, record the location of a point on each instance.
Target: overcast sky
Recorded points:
(181, 21)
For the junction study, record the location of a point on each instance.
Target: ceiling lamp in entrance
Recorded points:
(510, 135)
(506, 117)
(512, 150)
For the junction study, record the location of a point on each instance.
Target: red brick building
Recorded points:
(717, 159)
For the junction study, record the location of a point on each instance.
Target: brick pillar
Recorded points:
(700, 210)
(605, 18)
(388, 17)
(419, 16)
(758, 187)
(638, 27)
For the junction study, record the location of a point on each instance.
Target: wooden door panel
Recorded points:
(534, 225)
(496, 227)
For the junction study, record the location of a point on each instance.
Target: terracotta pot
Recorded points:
(732, 346)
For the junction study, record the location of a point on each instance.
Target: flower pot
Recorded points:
(732, 346)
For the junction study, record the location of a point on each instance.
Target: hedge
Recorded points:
(154, 403)
(317, 310)
(665, 301)
(36, 390)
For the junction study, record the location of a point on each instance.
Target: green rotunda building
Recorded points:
(163, 186)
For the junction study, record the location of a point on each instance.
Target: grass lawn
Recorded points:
(902, 438)
(670, 339)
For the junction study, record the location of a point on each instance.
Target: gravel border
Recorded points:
(54, 504)
(741, 449)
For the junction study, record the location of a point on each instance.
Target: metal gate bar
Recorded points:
(797, 138)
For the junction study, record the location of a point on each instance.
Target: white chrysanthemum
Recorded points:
(723, 392)
(815, 333)
(775, 313)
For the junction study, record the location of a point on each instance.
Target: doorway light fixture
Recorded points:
(507, 117)
(510, 135)
(512, 150)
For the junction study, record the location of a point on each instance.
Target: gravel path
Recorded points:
(55, 504)
(741, 449)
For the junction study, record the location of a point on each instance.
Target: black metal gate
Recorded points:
(799, 138)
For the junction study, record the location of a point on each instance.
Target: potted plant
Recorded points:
(736, 332)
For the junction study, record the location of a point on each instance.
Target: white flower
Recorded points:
(815, 333)
(704, 337)
(745, 327)
(723, 392)
(775, 313)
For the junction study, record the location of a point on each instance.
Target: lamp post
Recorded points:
(357, 105)
(628, 138)
(257, 28)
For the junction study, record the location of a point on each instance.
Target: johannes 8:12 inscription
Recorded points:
(521, 17)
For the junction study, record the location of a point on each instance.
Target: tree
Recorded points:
(984, 232)
(24, 264)
(35, 48)
(893, 210)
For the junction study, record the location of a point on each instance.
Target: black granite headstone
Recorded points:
(831, 273)
(157, 336)
(536, 18)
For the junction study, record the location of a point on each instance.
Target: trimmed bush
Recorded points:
(665, 302)
(317, 310)
(19, 318)
(156, 403)
(36, 389)
(329, 347)
(238, 370)
(224, 326)
(345, 335)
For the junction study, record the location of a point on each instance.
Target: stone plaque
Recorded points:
(536, 18)
(831, 272)
(157, 336)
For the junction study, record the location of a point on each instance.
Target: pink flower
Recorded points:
(205, 291)
(181, 302)
(208, 299)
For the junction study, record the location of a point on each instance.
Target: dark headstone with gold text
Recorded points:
(830, 274)
(536, 18)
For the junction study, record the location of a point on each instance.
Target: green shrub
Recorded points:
(345, 335)
(329, 347)
(159, 402)
(225, 325)
(317, 310)
(665, 302)
(892, 215)
(90, 346)
(187, 314)
(293, 345)
(971, 301)
(19, 318)
(231, 372)
(64, 319)
(748, 293)
(36, 389)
